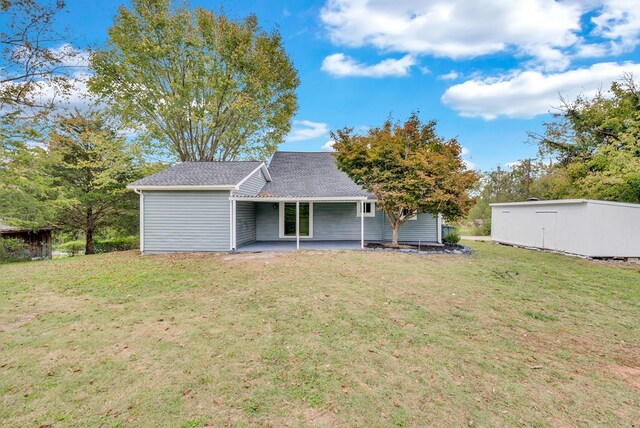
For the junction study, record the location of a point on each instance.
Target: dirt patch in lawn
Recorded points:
(248, 256)
(19, 322)
(319, 418)
(630, 374)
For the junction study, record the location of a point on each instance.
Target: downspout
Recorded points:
(139, 192)
(439, 226)
(230, 222)
(234, 243)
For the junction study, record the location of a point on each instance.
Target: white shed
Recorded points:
(577, 226)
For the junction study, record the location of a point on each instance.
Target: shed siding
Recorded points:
(253, 185)
(245, 222)
(186, 221)
(423, 229)
(559, 227)
(613, 230)
(338, 221)
(587, 228)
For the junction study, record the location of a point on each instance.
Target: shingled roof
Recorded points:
(293, 174)
(223, 173)
(309, 174)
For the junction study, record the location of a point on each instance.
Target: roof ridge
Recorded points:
(221, 161)
(306, 152)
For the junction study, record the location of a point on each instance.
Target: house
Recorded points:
(577, 226)
(38, 241)
(299, 198)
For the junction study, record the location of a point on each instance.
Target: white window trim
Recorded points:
(281, 221)
(371, 214)
(413, 217)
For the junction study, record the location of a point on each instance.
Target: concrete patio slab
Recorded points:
(265, 246)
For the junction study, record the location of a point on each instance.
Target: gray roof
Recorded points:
(308, 174)
(223, 173)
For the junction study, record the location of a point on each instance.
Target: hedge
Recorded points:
(13, 249)
(102, 245)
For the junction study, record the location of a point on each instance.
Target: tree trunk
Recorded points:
(89, 247)
(394, 234)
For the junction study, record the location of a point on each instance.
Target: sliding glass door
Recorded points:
(289, 219)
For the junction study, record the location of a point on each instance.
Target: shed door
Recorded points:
(546, 232)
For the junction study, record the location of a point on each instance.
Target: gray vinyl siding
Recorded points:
(424, 229)
(338, 221)
(186, 221)
(245, 222)
(267, 227)
(331, 222)
(253, 185)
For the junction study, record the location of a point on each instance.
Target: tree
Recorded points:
(595, 143)
(90, 165)
(30, 58)
(25, 187)
(205, 87)
(409, 168)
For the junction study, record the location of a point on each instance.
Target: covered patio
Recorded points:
(262, 223)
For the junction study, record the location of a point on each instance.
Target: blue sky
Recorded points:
(487, 70)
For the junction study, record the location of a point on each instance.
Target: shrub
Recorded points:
(72, 247)
(13, 249)
(102, 245)
(452, 237)
(117, 244)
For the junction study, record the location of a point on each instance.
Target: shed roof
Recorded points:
(563, 202)
(221, 173)
(310, 175)
(5, 228)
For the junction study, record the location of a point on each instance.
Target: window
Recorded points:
(405, 213)
(288, 220)
(367, 208)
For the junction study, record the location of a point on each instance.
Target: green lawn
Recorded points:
(503, 337)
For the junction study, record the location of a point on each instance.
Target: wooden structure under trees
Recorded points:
(38, 241)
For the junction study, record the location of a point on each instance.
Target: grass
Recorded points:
(505, 337)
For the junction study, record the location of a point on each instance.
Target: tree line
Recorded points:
(589, 149)
(171, 83)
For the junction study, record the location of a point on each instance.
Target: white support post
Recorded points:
(297, 225)
(234, 232)
(230, 224)
(439, 226)
(141, 222)
(361, 204)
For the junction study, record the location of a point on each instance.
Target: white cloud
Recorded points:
(619, 21)
(306, 130)
(71, 56)
(452, 75)
(546, 33)
(510, 165)
(464, 153)
(530, 93)
(328, 146)
(453, 28)
(70, 94)
(469, 164)
(342, 65)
